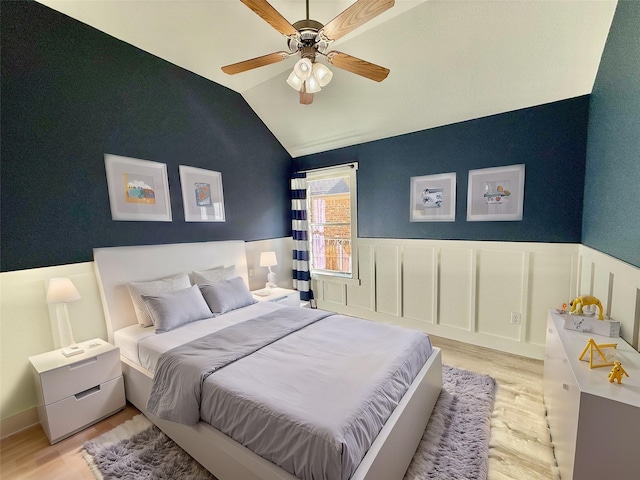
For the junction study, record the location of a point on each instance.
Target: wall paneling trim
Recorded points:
(463, 290)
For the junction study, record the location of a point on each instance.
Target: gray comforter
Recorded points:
(305, 389)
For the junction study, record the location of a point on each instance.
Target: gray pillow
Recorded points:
(228, 295)
(174, 309)
(155, 287)
(207, 277)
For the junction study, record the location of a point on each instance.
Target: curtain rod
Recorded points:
(332, 167)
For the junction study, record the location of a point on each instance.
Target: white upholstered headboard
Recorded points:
(116, 266)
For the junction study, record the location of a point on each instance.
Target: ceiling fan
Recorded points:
(308, 38)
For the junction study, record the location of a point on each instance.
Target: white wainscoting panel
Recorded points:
(455, 278)
(419, 284)
(363, 295)
(387, 268)
(500, 276)
(547, 282)
(462, 290)
(585, 278)
(617, 286)
(467, 290)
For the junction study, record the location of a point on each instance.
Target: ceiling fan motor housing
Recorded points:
(308, 39)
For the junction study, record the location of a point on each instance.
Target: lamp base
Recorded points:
(72, 350)
(271, 279)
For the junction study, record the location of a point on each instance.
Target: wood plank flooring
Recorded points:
(520, 445)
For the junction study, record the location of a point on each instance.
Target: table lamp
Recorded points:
(60, 292)
(268, 259)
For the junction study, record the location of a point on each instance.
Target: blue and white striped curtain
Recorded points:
(299, 227)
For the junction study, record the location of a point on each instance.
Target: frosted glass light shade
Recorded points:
(295, 82)
(322, 74)
(62, 290)
(311, 85)
(303, 68)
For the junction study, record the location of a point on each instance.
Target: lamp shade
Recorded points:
(268, 259)
(322, 74)
(311, 85)
(295, 82)
(62, 290)
(303, 68)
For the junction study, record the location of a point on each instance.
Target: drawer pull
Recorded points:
(83, 363)
(86, 393)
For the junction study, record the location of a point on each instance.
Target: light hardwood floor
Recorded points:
(520, 445)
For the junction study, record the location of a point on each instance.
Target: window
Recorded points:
(331, 198)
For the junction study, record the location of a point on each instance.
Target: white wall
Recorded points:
(455, 289)
(617, 285)
(467, 290)
(462, 290)
(28, 326)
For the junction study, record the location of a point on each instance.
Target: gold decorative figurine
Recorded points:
(617, 372)
(593, 348)
(583, 301)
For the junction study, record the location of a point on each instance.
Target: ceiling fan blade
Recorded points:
(271, 16)
(357, 14)
(255, 63)
(357, 66)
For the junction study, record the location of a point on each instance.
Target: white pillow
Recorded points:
(174, 309)
(156, 287)
(207, 277)
(227, 295)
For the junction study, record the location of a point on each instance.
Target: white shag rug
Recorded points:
(455, 445)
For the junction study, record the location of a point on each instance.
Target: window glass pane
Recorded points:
(330, 218)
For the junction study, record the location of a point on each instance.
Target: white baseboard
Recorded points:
(18, 422)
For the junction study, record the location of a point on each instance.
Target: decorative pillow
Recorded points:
(156, 287)
(174, 309)
(207, 277)
(227, 295)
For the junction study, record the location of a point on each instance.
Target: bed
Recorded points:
(388, 455)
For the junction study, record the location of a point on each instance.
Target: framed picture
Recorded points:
(201, 195)
(495, 194)
(138, 189)
(433, 198)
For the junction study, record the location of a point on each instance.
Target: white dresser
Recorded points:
(595, 424)
(285, 296)
(77, 391)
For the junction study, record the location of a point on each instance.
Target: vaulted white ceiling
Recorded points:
(450, 60)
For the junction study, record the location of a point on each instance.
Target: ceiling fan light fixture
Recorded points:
(295, 82)
(322, 73)
(311, 85)
(303, 68)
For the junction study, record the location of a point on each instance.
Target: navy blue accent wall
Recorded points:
(611, 221)
(549, 139)
(70, 94)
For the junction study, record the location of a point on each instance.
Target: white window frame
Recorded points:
(350, 170)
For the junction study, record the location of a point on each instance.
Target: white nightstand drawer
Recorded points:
(292, 300)
(79, 376)
(66, 417)
(278, 295)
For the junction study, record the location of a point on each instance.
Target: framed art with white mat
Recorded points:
(201, 195)
(138, 189)
(433, 198)
(495, 194)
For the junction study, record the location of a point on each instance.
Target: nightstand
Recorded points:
(287, 297)
(78, 391)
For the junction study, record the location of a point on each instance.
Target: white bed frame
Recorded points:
(388, 457)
